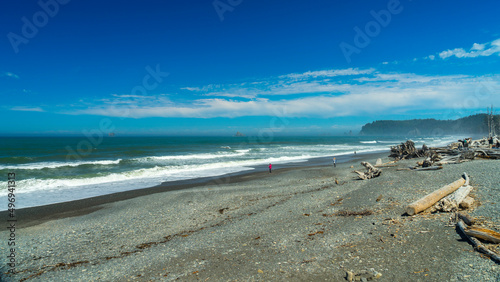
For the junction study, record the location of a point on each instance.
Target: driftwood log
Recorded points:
(427, 168)
(371, 171)
(475, 242)
(453, 201)
(484, 234)
(429, 200)
(387, 164)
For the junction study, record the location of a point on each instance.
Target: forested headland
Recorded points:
(474, 124)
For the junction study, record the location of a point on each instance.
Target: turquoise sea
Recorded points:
(58, 169)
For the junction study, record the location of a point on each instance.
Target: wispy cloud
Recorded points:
(27, 109)
(477, 50)
(10, 74)
(311, 82)
(316, 95)
(328, 73)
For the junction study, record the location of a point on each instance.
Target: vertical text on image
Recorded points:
(11, 221)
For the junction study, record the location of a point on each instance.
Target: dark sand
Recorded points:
(281, 226)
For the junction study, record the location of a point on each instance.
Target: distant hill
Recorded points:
(475, 124)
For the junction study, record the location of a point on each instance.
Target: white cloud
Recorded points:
(478, 47)
(131, 96)
(192, 88)
(12, 75)
(477, 50)
(322, 81)
(374, 93)
(27, 109)
(328, 73)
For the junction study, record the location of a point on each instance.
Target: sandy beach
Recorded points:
(294, 224)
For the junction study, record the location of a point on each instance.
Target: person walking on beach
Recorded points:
(334, 162)
(270, 167)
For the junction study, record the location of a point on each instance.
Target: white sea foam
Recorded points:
(368, 142)
(206, 156)
(43, 165)
(156, 174)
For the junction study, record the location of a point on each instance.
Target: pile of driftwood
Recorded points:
(370, 172)
(453, 197)
(407, 150)
(458, 191)
(439, 156)
(483, 143)
(446, 155)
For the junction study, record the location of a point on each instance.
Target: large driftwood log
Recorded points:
(371, 171)
(432, 198)
(477, 245)
(452, 201)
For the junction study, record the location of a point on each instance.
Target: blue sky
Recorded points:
(216, 67)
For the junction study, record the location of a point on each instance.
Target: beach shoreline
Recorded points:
(39, 214)
(286, 225)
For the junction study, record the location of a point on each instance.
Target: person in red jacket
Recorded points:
(270, 167)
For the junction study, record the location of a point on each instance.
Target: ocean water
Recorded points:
(58, 169)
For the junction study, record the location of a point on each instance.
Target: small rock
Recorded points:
(260, 271)
(350, 276)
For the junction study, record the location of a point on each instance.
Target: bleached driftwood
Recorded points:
(429, 200)
(428, 168)
(452, 201)
(475, 242)
(387, 164)
(371, 171)
(467, 202)
(487, 153)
